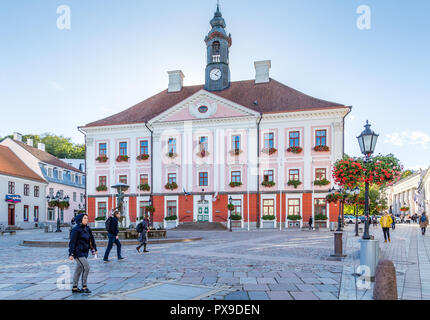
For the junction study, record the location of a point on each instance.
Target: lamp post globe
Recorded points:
(367, 142)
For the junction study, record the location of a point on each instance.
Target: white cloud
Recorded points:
(400, 139)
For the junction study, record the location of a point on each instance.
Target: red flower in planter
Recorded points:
(122, 158)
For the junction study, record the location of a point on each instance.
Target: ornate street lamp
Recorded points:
(367, 142)
(230, 201)
(60, 202)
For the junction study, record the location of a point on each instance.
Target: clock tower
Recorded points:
(218, 44)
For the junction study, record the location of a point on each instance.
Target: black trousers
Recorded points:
(386, 233)
(423, 230)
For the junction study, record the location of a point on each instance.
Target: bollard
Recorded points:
(338, 245)
(385, 281)
(369, 255)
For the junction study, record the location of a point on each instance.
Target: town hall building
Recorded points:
(190, 151)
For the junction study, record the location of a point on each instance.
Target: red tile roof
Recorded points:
(272, 97)
(11, 165)
(47, 157)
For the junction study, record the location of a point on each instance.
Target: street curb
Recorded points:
(100, 243)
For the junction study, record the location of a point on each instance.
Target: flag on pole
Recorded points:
(214, 198)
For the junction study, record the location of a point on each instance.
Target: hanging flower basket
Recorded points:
(63, 204)
(235, 217)
(172, 155)
(171, 186)
(404, 209)
(101, 188)
(235, 184)
(235, 152)
(142, 157)
(349, 172)
(321, 148)
(296, 150)
(269, 151)
(150, 209)
(102, 159)
(144, 187)
(268, 184)
(294, 183)
(230, 207)
(322, 182)
(122, 158)
(331, 198)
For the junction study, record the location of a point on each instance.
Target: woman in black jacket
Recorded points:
(81, 241)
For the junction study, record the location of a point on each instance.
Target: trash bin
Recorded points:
(369, 255)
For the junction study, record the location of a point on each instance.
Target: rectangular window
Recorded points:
(320, 207)
(295, 139)
(50, 172)
(236, 176)
(172, 145)
(237, 206)
(36, 214)
(294, 207)
(123, 179)
(80, 179)
(123, 148)
(171, 208)
(102, 181)
(268, 175)
(321, 138)
(60, 175)
(268, 207)
(268, 140)
(144, 179)
(142, 206)
(51, 214)
(11, 187)
(102, 149)
(51, 192)
(320, 174)
(144, 149)
(26, 189)
(235, 142)
(203, 143)
(203, 179)
(36, 191)
(25, 213)
(294, 175)
(171, 178)
(74, 196)
(101, 209)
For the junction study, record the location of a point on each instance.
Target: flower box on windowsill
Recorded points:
(203, 154)
(404, 209)
(172, 155)
(171, 186)
(322, 182)
(235, 152)
(102, 159)
(101, 188)
(321, 148)
(142, 157)
(235, 184)
(295, 150)
(122, 159)
(171, 222)
(268, 184)
(144, 187)
(269, 151)
(294, 183)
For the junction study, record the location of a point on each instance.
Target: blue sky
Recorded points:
(117, 53)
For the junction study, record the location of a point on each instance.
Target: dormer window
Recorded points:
(50, 172)
(60, 175)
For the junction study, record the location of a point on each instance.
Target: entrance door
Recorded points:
(11, 215)
(203, 211)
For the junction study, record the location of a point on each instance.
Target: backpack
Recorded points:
(139, 227)
(423, 218)
(107, 223)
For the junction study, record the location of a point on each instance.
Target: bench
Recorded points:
(11, 232)
(130, 234)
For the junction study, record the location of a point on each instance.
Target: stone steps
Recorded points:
(201, 226)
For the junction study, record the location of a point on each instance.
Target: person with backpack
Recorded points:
(393, 225)
(81, 241)
(142, 228)
(424, 222)
(113, 231)
(386, 222)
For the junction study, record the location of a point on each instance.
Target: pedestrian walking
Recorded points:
(393, 225)
(81, 241)
(374, 221)
(424, 222)
(386, 222)
(142, 228)
(113, 231)
(310, 222)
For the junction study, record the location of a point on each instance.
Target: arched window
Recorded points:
(216, 46)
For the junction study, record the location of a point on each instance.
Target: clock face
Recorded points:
(215, 74)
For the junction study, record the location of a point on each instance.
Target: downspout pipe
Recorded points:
(86, 176)
(343, 130)
(152, 167)
(258, 170)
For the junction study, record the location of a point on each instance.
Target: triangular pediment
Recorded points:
(204, 105)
